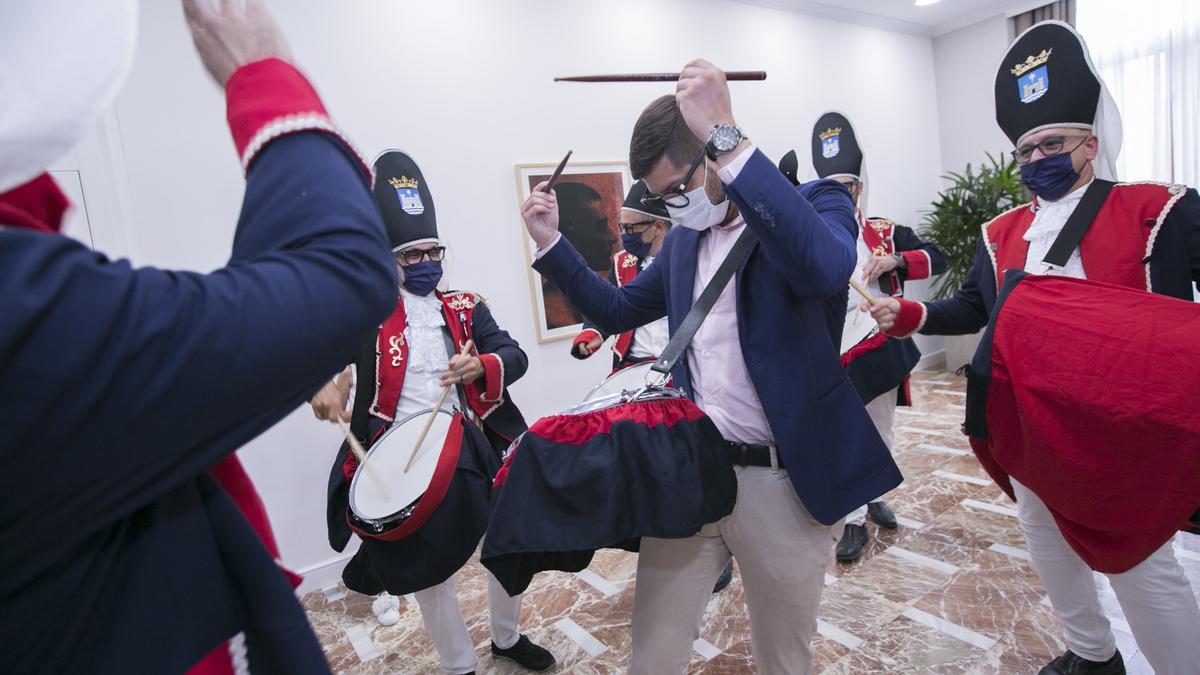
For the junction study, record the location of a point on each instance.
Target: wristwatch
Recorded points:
(899, 260)
(724, 138)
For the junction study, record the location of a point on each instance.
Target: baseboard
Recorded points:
(325, 573)
(931, 361)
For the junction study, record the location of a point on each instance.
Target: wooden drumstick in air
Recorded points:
(361, 455)
(863, 292)
(557, 172)
(436, 408)
(730, 76)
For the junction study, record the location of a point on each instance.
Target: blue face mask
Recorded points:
(421, 278)
(1051, 177)
(634, 246)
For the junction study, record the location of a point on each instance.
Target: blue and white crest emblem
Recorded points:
(409, 195)
(1033, 85)
(829, 142)
(830, 147)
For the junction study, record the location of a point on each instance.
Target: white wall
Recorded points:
(965, 61)
(466, 88)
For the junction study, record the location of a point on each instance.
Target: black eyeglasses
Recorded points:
(635, 228)
(413, 256)
(1049, 147)
(676, 197)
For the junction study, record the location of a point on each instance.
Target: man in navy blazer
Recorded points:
(764, 366)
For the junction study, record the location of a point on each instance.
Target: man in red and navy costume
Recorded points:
(763, 366)
(1145, 236)
(643, 229)
(401, 371)
(888, 255)
(126, 391)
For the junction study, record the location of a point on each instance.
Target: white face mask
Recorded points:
(700, 213)
(61, 64)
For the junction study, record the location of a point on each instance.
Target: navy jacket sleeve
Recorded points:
(490, 338)
(135, 380)
(968, 311)
(588, 324)
(808, 233)
(1175, 259)
(613, 309)
(907, 240)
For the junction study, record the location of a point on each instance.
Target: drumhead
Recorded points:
(388, 457)
(631, 378)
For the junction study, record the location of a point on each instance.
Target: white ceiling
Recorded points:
(903, 15)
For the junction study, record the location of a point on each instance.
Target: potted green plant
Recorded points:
(954, 222)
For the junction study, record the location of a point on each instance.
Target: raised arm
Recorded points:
(808, 233)
(615, 310)
(163, 373)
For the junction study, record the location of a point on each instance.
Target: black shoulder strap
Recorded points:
(704, 304)
(364, 388)
(1078, 223)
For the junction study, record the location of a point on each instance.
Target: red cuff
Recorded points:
(268, 99)
(910, 320)
(916, 263)
(586, 335)
(493, 378)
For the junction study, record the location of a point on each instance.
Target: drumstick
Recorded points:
(863, 292)
(557, 172)
(731, 76)
(361, 454)
(437, 407)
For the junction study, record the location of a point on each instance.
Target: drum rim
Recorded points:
(394, 517)
(593, 390)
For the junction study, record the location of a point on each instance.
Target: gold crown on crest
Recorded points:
(403, 182)
(1032, 62)
(825, 135)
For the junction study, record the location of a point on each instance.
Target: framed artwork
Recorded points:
(589, 200)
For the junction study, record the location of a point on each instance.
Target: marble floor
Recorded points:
(949, 591)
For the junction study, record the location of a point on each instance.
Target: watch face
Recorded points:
(726, 137)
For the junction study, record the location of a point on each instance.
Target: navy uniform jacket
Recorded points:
(119, 387)
(791, 297)
(1174, 267)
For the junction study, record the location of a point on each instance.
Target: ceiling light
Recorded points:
(925, 3)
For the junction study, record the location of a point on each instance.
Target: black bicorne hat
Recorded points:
(835, 149)
(404, 199)
(633, 202)
(1046, 80)
(790, 166)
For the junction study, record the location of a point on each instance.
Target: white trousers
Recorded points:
(1157, 599)
(444, 622)
(882, 410)
(781, 552)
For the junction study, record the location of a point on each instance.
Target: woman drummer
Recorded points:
(402, 371)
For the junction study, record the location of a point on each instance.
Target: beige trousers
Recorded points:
(781, 553)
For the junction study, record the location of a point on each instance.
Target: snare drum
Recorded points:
(431, 518)
(603, 474)
(380, 513)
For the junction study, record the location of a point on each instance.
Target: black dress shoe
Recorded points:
(1074, 664)
(525, 654)
(881, 515)
(854, 539)
(725, 578)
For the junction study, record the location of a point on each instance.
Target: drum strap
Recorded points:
(704, 304)
(1078, 223)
